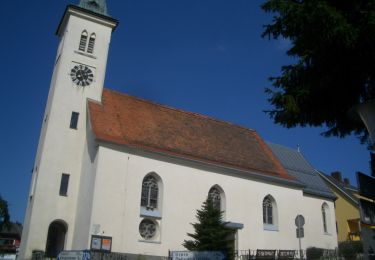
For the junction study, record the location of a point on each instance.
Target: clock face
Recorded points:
(81, 75)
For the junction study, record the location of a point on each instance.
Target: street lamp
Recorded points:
(366, 112)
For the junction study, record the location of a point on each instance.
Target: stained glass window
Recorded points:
(147, 229)
(215, 195)
(324, 217)
(150, 191)
(267, 211)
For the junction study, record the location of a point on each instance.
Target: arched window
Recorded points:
(325, 217)
(270, 220)
(83, 41)
(150, 192)
(267, 211)
(90, 48)
(216, 194)
(56, 238)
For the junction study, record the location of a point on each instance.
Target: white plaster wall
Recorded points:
(117, 194)
(85, 193)
(314, 227)
(60, 148)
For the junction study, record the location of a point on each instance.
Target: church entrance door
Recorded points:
(55, 238)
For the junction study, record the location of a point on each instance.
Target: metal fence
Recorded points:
(108, 256)
(39, 255)
(328, 254)
(239, 255)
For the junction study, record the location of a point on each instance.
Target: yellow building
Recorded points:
(346, 206)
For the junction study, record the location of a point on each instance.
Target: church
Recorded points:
(119, 173)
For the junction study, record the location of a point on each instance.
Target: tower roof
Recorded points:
(96, 6)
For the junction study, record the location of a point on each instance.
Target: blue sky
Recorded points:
(201, 56)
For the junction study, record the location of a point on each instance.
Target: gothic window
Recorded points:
(150, 192)
(267, 211)
(270, 220)
(325, 217)
(148, 229)
(215, 195)
(90, 48)
(83, 41)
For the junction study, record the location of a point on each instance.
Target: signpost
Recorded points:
(300, 221)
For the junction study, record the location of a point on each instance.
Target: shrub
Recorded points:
(350, 249)
(313, 253)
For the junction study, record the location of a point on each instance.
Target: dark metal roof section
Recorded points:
(14, 230)
(96, 6)
(297, 166)
(342, 188)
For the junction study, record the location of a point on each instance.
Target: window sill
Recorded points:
(85, 54)
(150, 213)
(149, 241)
(269, 227)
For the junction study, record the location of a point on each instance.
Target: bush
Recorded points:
(350, 249)
(313, 253)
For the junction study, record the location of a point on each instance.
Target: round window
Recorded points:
(147, 229)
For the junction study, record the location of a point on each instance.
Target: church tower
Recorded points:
(79, 71)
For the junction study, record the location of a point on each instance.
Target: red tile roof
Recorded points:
(126, 120)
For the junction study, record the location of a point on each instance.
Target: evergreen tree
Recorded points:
(211, 234)
(4, 214)
(332, 45)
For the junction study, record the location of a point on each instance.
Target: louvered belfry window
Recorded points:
(90, 48)
(83, 41)
(150, 191)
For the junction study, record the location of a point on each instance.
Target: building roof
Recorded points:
(134, 122)
(345, 190)
(13, 230)
(298, 167)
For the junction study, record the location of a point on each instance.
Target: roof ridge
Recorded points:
(312, 171)
(284, 146)
(182, 111)
(339, 186)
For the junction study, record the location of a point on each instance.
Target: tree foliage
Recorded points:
(4, 214)
(333, 46)
(211, 234)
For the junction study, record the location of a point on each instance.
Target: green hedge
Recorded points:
(313, 253)
(350, 249)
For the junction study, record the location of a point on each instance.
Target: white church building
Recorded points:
(119, 173)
